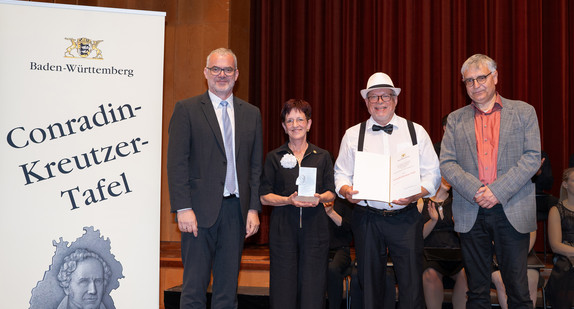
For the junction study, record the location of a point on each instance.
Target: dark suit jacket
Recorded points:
(518, 160)
(196, 162)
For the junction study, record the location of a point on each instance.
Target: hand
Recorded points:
(187, 222)
(348, 193)
(411, 199)
(485, 198)
(296, 203)
(318, 196)
(329, 207)
(252, 225)
(433, 213)
(406, 200)
(540, 168)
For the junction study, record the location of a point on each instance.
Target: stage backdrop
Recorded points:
(80, 155)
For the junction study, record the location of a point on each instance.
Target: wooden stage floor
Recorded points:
(254, 274)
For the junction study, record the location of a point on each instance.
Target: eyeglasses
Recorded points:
(291, 121)
(375, 98)
(469, 82)
(217, 70)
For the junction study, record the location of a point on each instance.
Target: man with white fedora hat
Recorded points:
(380, 228)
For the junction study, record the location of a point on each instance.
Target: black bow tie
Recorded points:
(388, 128)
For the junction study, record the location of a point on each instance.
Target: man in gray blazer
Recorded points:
(214, 161)
(490, 150)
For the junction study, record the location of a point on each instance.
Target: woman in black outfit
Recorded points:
(298, 229)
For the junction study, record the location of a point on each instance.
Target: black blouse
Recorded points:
(281, 180)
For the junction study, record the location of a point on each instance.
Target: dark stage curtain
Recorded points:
(325, 50)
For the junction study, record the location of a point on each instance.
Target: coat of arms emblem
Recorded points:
(83, 48)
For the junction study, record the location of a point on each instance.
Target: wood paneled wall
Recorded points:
(193, 28)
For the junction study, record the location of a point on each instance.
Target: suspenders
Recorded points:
(364, 127)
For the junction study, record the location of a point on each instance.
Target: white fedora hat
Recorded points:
(377, 81)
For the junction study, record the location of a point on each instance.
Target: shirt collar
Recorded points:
(216, 101)
(496, 107)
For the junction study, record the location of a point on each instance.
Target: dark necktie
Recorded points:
(388, 128)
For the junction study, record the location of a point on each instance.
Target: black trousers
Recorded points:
(378, 236)
(217, 248)
(299, 257)
(511, 248)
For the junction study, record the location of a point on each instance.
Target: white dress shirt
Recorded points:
(387, 144)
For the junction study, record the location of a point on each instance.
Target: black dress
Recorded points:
(560, 287)
(442, 236)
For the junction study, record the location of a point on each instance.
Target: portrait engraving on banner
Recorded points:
(82, 275)
(83, 48)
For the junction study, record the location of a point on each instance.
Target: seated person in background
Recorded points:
(340, 212)
(533, 278)
(438, 232)
(560, 287)
(543, 181)
(444, 122)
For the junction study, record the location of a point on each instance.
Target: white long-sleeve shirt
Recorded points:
(387, 144)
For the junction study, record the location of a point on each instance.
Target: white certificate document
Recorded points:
(306, 184)
(405, 173)
(371, 176)
(386, 178)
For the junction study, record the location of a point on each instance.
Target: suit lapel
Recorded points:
(209, 113)
(505, 126)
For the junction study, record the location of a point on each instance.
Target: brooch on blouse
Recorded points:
(288, 161)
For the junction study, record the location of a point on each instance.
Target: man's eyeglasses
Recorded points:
(217, 70)
(375, 98)
(469, 82)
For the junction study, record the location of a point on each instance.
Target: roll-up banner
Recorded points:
(80, 156)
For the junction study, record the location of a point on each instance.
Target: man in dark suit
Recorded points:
(214, 163)
(490, 150)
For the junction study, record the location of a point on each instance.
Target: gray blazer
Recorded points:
(196, 162)
(518, 161)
